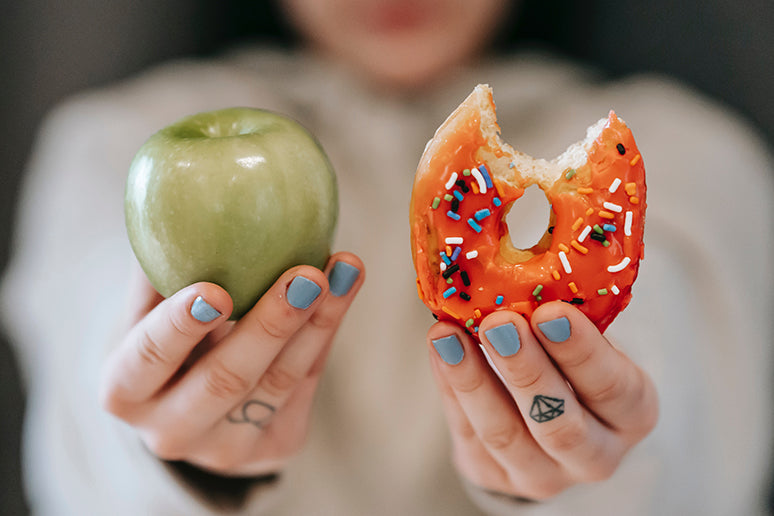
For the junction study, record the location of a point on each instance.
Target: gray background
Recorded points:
(50, 49)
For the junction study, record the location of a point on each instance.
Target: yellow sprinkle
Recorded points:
(579, 247)
(477, 313)
(448, 250)
(573, 288)
(634, 200)
(450, 312)
(631, 188)
(585, 190)
(589, 211)
(577, 223)
(606, 214)
(556, 275)
(474, 186)
(564, 248)
(634, 160)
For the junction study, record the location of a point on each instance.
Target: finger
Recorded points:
(308, 347)
(231, 369)
(556, 420)
(604, 379)
(490, 409)
(156, 347)
(142, 296)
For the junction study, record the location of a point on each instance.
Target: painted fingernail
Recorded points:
(202, 311)
(302, 292)
(449, 349)
(556, 330)
(504, 338)
(342, 277)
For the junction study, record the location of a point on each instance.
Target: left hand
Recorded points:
(568, 408)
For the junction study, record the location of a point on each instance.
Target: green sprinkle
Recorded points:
(602, 292)
(569, 173)
(538, 298)
(466, 172)
(468, 323)
(447, 197)
(598, 229)
(606, 243)
(436, 202)
(449, 280)
(537, 290)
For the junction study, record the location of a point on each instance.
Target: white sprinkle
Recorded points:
(618, 267)
(584, 234)
(628, 224)
(613, 207)
(565, 262)
(614, 186)
(479, 178)
(471, 254)
(615, 290)
(453, 240)
(443, 266)
(452, 180)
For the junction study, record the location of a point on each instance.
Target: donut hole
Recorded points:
(528, 220)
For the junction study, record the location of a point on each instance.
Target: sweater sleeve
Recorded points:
(63, 295)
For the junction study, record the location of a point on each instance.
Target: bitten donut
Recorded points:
(466, 182)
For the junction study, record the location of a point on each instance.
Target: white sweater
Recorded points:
(699, 322)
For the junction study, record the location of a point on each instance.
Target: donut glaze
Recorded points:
(466, 264)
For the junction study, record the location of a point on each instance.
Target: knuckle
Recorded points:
(466, 384)
(150, 352)
(579, 359)
(601, 470)
(278, 381)
(275, 329)
(613, 389)
(224, 383)
(324, 319)
(500, 437)
(566, 437)
(525, 379)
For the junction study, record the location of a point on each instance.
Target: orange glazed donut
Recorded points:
(465, 184)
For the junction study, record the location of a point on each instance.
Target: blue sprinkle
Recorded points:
(449, 292)
(511, 164)
(485, 173)
(476, 227)
(475, 329)
(499, 300)
(458, 195)
(482, 214)
(445, 259)
(456, 253)
(497, 202)
(452, 215)
(609, 227)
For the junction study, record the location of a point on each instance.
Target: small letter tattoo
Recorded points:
(257, 413)
(545, 408)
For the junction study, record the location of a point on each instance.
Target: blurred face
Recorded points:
(398, 43)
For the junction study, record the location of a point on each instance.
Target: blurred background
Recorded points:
(49, 50)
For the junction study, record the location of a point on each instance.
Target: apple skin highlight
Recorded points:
(233, 197)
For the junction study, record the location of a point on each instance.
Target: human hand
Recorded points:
(569, 407)
(229, 397)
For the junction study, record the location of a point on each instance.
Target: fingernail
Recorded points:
(342, 277)
(556, 330)
(504, 338)
(449, 349)
(202, 311)
(302, 292)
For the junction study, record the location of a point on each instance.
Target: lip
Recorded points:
(399, 16)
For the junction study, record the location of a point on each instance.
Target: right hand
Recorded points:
(230, 398)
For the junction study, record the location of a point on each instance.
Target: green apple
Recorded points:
(234, 197)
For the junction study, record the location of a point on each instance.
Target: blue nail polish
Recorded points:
(342, 277)
(449, 349)
(302, 292)
(202, 311)
(504, 338)
(556, 330)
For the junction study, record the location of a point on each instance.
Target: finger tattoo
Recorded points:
(255, 412)
(546, 408)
